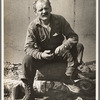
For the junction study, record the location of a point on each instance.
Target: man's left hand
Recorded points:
(60, 49)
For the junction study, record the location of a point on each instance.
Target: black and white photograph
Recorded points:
(50, 49)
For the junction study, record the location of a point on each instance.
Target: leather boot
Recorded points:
(29, 93)
(67, 80)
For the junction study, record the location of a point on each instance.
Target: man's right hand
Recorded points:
(47, 55)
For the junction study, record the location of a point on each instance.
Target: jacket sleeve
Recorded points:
(31, 46)
(71, 36)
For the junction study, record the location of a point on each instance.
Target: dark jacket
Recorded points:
(40, 38)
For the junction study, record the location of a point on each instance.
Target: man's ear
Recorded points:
(35, 13)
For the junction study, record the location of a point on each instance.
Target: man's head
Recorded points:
(42, 9)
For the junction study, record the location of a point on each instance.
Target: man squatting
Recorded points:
(50, 38)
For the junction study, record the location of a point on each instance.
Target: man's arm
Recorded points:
(71, 36)
(31, 46)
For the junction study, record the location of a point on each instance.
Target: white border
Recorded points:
(97, 53)
(2, 49)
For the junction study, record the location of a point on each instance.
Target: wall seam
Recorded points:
(74, 14)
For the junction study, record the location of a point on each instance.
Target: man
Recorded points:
(49, 38)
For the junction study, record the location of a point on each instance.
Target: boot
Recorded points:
(67, 80)
(29, 93)
(69, 73)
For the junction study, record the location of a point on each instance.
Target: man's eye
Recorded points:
(46, 8)
(40, 9)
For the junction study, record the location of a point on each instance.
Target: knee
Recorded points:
(80, 47)
(27, 59)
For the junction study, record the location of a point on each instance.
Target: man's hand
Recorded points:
(67, 44)
(72, 40)
(47, 55)
(60, 49)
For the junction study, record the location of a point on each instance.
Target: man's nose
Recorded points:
(44, 11)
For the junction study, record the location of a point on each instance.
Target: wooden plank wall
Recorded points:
(81, 14)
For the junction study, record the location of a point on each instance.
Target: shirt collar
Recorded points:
(37, 21)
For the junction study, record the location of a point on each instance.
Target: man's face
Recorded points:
(43, 10)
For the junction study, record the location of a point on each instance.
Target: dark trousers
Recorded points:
(30, 65)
